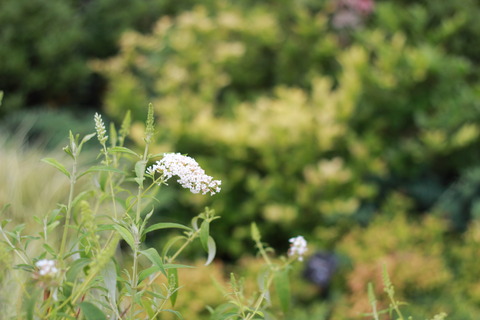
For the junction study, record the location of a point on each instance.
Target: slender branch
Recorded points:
(19, 253)
(260, 299)
(73, 180)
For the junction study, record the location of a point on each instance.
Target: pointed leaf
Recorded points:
(87, 138)
(101, 169)
(178, 314)
(140, 171)
(195, 223)
(126, 235)
(91, 311)
(4, 208)
(282, 287)
(176, 266)
(124, 150)
(155, 258)
(57, 165)
(204, 233)
(75, 268)
(212, 250)
(109, 275)
(29, 303)
(166, 225)
(147, 307)
(144, 274)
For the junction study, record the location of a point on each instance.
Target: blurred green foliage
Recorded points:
(45, 47)
(314, 129)
(309, 125)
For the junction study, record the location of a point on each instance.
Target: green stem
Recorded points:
(91, 276)
(263, 252)
(160, 308)
(172, 258)
(136, 237)
(140, 189)
(134, 279)
(185, 244)
(260, 299)
(110, 179)
(73, 180)
(19, 253)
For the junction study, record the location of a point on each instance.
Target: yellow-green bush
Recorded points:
(310, 128)
(431, 270)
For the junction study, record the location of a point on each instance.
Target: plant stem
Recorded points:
(140, 189)
(136, 237)
(263, 252)
(261, 298)
(73, 180)
(184, 245)
(133, 285)
(19, 253)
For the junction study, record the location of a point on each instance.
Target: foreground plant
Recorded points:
(81, 276)
(274, 275)
(394, 309)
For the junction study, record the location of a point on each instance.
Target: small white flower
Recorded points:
(46, 268)
(298, 247)
(190, 174)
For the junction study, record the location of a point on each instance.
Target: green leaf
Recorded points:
(72, 274)
(195, 223)
(371, 294)
(4, 208)
(282, 286)
(91, 311)
(126, 235)
(146, 273)
(166, 225)
(178, 314)
(173, 285)
(85, 139)
(75, 268)
(29, 302)
(57, 165)
(124, 150)
(49, 249)
(109, 275)
(176, 266)
(140, 171)
(113, 134)
(81, 196)
(212, 250)
(204, 234)
(155, 258)
(101, 169)
(52, 226)
(147, 307)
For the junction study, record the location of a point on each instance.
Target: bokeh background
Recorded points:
(354, 123)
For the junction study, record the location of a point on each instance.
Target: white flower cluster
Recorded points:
(46, 268)
(190, 174)
(100, 128)
(298, 247)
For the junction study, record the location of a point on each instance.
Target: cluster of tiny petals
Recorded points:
(298, 247)
(100, 128)
(46, 268)
(190, 174)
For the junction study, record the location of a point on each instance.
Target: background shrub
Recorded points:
(311, 126)
(45, 47)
